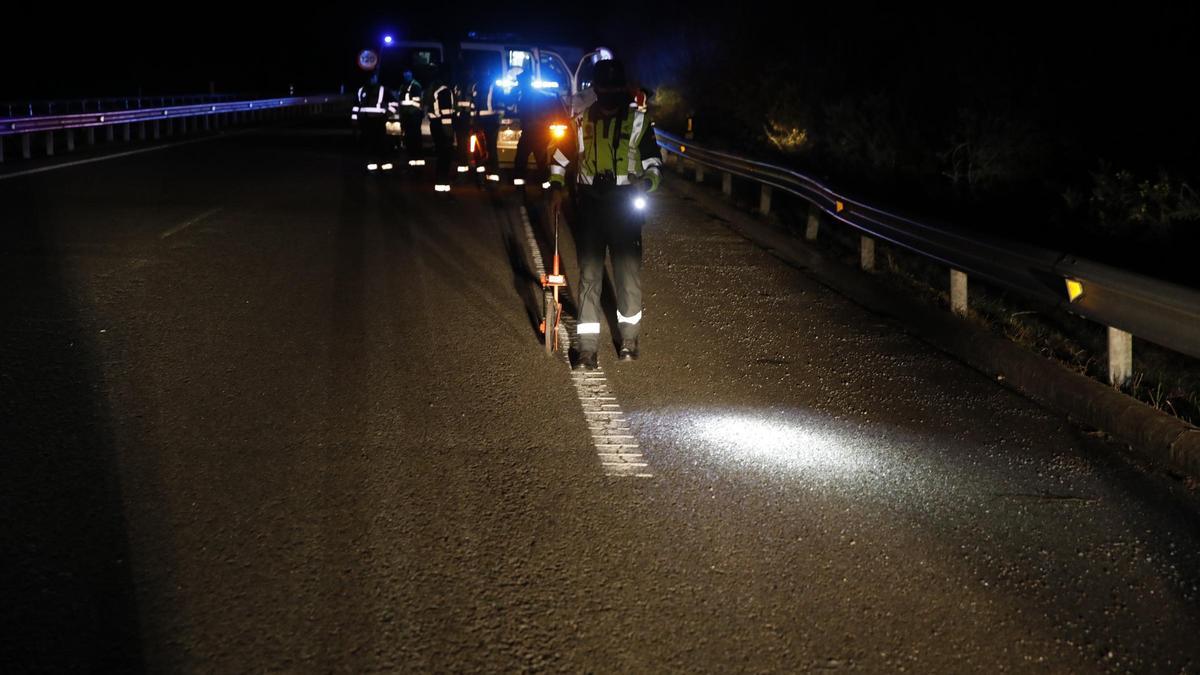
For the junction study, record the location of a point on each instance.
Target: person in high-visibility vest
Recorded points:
(533, 108)
(487, 117)
(464, 105)
(441, 117)
(410, 119)
(372, 112)
(617, 162)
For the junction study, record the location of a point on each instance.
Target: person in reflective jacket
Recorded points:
(410, 119)
(440, 107)
(487, 118)
(372, 111)
(617, 162)
(533, 107)
(464, 105)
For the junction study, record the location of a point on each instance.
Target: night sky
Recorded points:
(55, 52)
(235, 49)
(1125, 71)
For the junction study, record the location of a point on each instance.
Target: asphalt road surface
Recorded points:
(263, 411)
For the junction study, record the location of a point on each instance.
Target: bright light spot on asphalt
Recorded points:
(780, 441)
(777, 441)
(639, 203)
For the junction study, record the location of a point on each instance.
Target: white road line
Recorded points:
(187, 224)
(67, 165)
(601, 410)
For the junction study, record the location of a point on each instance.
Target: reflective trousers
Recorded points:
(531, 142)
(443, 147)
(608, 223)
(374, 140)
(410, 124)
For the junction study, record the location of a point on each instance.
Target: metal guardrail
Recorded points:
(31, 108)
(23, 125)
(1127, 303)
(149, 120)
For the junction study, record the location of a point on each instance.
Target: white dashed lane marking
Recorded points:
(616, 447)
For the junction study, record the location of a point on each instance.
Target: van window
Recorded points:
(554, 75)
(485, 63)
(422, 61)
(519, 58)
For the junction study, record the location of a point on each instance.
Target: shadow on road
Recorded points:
(68, 600)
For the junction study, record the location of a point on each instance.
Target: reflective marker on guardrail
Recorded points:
(1074, 289)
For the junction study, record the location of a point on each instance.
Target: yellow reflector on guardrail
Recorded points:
(682, 149)
(837, 204)
(1074, 289)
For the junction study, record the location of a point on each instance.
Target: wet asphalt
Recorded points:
(263, 411)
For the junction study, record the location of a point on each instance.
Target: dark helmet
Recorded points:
(609, 73)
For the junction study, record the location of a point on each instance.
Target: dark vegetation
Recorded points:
(1074, 130)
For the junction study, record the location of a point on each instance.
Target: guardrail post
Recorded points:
(208, 123)
(1120, 357)
(49, 143)
(958, 292)
(142, 131)
(125, 131)
(866, 253)
(814, 223)
(91, 135)
(699, 172)
(109, 133)
(764, 200)
(1, 149)
(25, 150)
(727, 184)
(157, 127)
(70, 140)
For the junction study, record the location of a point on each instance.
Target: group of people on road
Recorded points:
(464, 122)
(612, 158)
